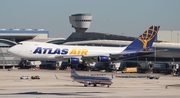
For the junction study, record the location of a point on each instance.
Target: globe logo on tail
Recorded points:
(147, 36)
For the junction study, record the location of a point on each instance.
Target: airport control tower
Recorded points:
(81, 22)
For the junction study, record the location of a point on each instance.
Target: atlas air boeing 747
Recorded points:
(86, 54)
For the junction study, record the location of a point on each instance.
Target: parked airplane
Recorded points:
(86, 54)
(88, 80)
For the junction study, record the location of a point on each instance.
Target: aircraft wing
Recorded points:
(88, 59)
(114, 57)
(66, 57)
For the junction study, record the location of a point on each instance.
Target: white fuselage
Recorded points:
(47, 51)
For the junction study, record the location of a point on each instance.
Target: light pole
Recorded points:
(146, 63)
(171, 36)
(177, 38)
(137, 61)
(155, 52)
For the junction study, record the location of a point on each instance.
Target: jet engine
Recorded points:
(75, 61)
(104, 58)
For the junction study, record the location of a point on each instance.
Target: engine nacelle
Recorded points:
(104, 58)
(75, 61)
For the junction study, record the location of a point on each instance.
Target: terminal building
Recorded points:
(81, 22)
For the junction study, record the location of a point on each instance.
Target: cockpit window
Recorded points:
(19, 43)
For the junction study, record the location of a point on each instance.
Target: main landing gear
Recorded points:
(95, 85)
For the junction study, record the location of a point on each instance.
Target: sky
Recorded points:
(128, 17)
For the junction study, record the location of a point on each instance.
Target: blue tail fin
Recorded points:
(73, 73)
(144, 42)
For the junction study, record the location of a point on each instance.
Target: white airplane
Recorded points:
(86, 54)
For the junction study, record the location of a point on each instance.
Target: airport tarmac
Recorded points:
(11, 86)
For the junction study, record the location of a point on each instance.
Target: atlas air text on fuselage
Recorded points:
(63, 51)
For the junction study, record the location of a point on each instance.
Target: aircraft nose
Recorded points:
(111, 81)
(12, 50)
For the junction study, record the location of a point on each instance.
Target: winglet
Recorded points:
(144, 42)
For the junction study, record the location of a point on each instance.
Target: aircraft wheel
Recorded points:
(95, 85)
(85, 85)
(108, 86)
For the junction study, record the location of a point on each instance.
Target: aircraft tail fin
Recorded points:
(144, 42)
(73, 73)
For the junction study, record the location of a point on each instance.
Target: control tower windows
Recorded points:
(83, 20)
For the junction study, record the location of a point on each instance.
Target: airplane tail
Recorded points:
(144, 42)
(73, 73)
